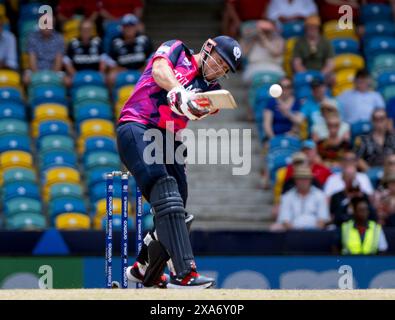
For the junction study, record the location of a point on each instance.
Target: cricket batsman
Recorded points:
(164, 95)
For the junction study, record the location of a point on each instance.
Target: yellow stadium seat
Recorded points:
(10, 159)
(348, 61)
(341, 88)
(345, 76)
(279, 184)
(62, 174)
(9, 78)
(48, 111)
(289, 47)
(125, 92)
(72, 221)
(117, 207)
(94, 128)
(332, 31)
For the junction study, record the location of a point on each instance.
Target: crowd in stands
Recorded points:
(329, 138)
(61, 91)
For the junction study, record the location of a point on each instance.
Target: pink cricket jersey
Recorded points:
(148, 103)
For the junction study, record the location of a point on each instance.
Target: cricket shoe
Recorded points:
(192, 280)
(134, 274)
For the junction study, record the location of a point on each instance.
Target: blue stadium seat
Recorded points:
(12, 110)
(29, 11)
(360, 128)
(88, 78)
(379, 45)
(67, 204)
(10, 95)
(15, 142)
(376, 12)
(391, 109)
(59, 159)
(111, 30)
(46, 94)
(94, 110)
(375, 174)
(277, 159)
(304, 92)
(99, 144)
(293, 29)
(284, 142)
(97, 175)
(99, 191)
(305, 78)
(53, 128)
(379, 28)
(345, 45)
(126, 78)
(386, 79)
(21, 189)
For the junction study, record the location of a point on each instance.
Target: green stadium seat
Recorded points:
(91, 93)
(55, 143)
(26, 221)
(19, 175)
(102, 159)
(11, 126)
(60, 190)
(22, 204)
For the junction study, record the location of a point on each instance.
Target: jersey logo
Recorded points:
(236, 53)
(187, 62)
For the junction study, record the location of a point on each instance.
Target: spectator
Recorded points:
(238, 11)
(371, 149)
(304, 206)
(340, 204)
(86, 52)
(358, 103)
(329, 9)
(263, 50)
(311, 109)
(338, 181)
(361, 236)
(385, 201)
(332, 148)
(320, 131)
(8, 54)
(319, 170)
(281, 115)
(46, 49)
(313, 52)
(130, 51)
(282, 11)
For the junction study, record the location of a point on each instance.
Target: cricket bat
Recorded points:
(216, 99)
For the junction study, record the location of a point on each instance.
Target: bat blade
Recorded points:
(219, 99)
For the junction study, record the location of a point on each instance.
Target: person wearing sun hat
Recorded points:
(304, 206)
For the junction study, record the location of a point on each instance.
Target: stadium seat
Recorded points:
(376, 12)
(111, 30)
(124, 93)
(331, 30)
(339, 89)
(55, 143)
(12, 110)
(102, 159)
(29, 10)
(277, 159)
(22, 205)
(345, 76)
(72, 221)
(375, 175)
(360, 128)
(289, 47)
(348, 61)
(48, 94)
(94, 111)
(13, 127)
(47, 77)
(379, 28)
(379, 45)
(382, 63)
(26, 221)
(58, 159)
(97, 127)
(61, 190)
(284, 142)
(99, 144)
(98, 192)
(71, 29)
(305, 78)
(9, 78)
(390, 107)
(15, 142)
(88, 78)
(101, 207)
(66, 205)
(125, 78)
(53, 128)
(386, 79)
(388, 92)
(304, 92)
(293, 29)
(49, 111)
(20, 175)
(91, 93)
(20, 190)
(62, 175)
(10, 95)
(12, 159)
(97, 175)
(345, 45)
